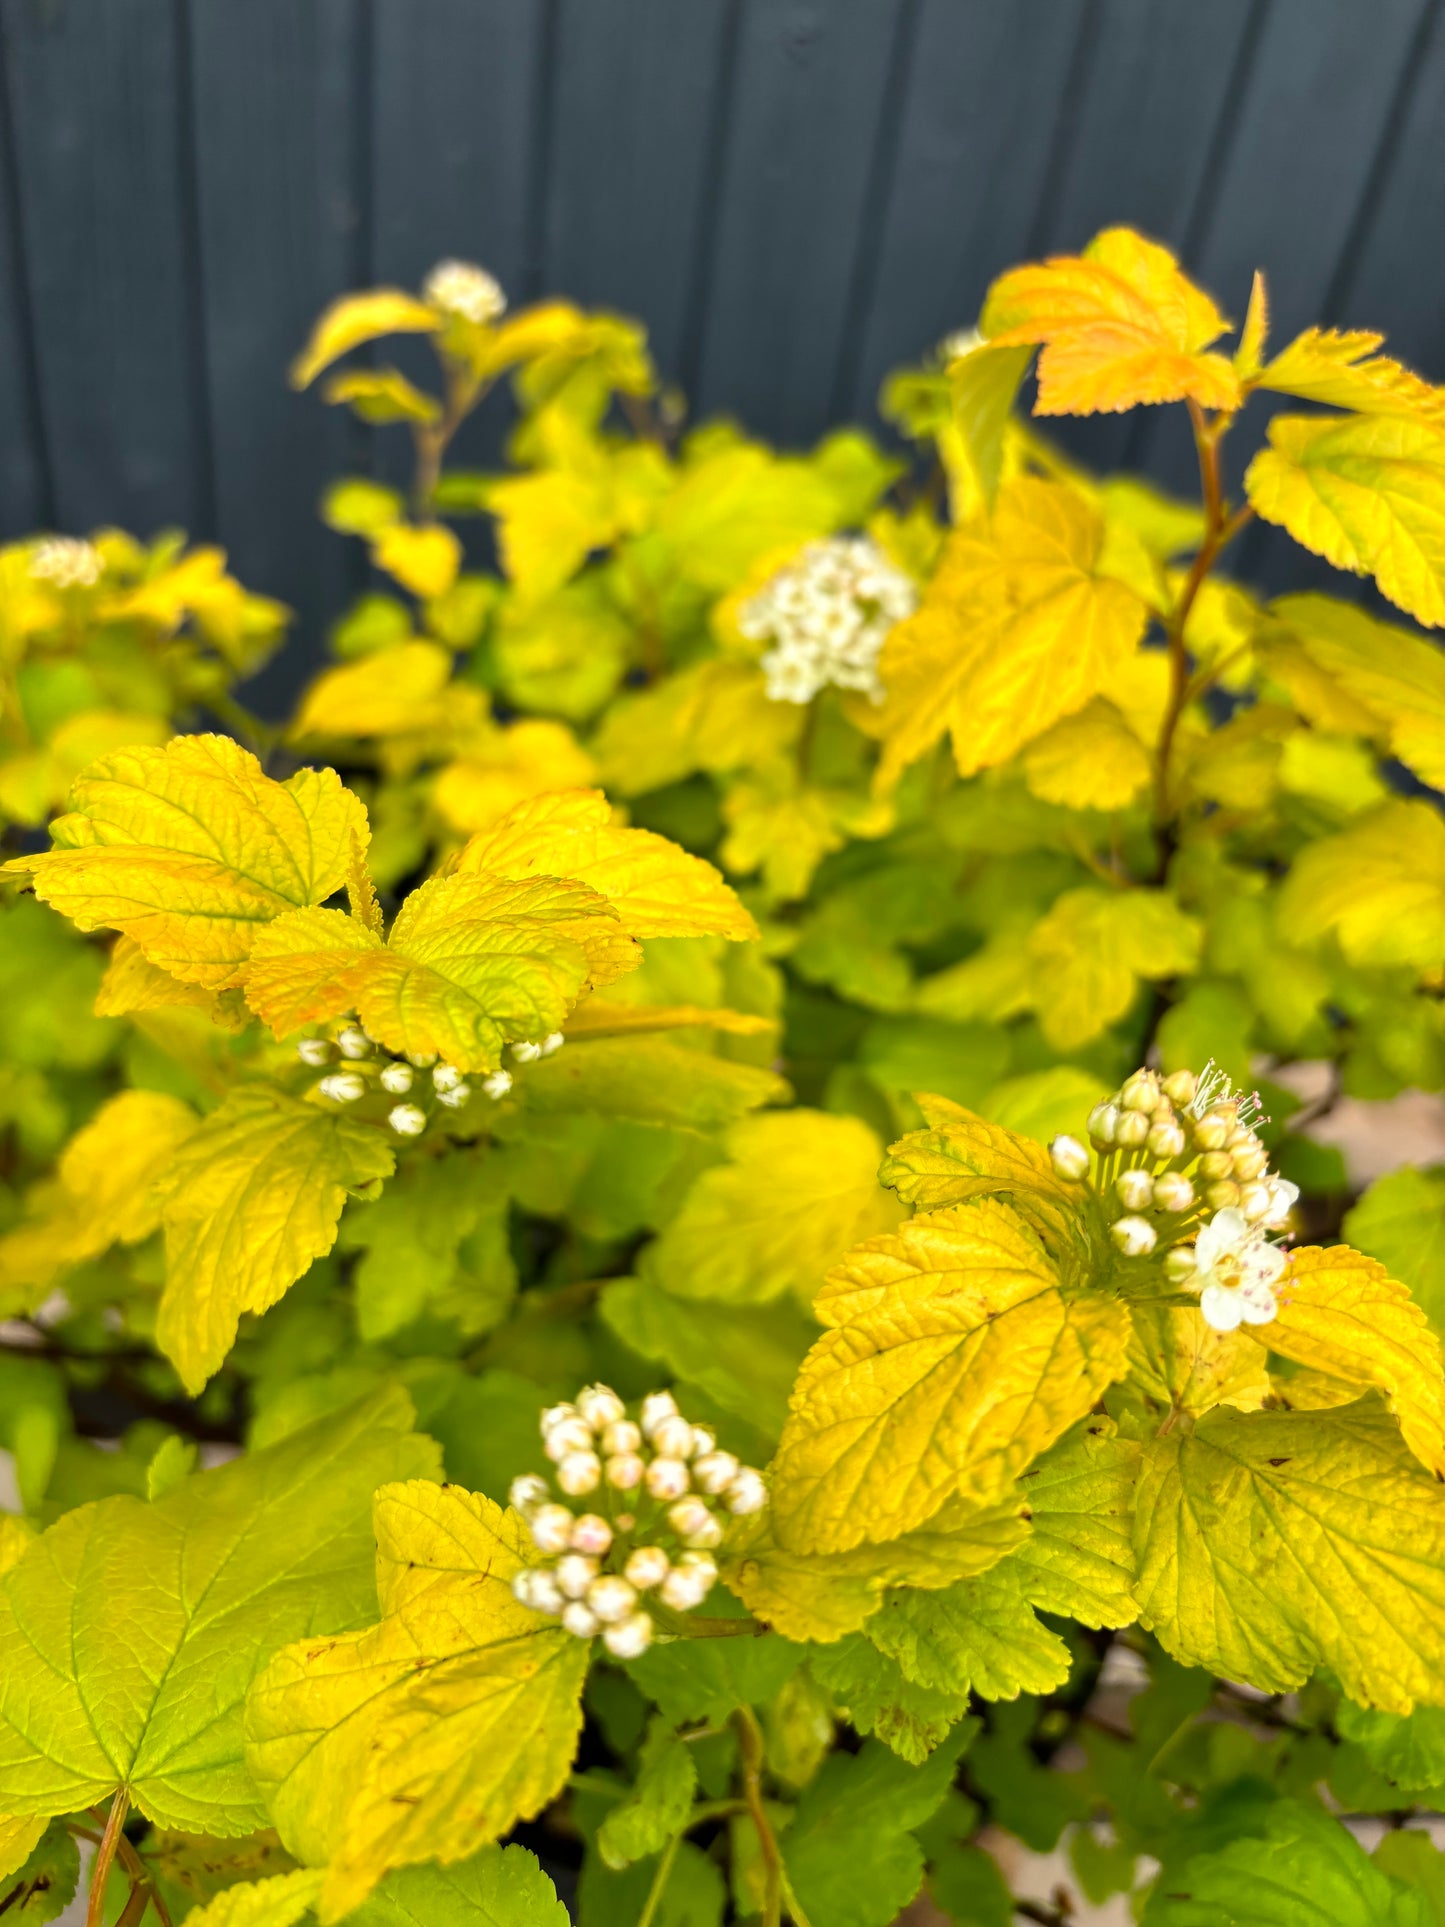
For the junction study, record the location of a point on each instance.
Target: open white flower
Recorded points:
(1236, 1270)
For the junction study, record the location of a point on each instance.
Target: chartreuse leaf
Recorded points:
(498, 1887)
(1273, 1542)
(1091, 760)
(1078, 1561)
(798, 1189)
(649, 1080)
(357, 318)
(1018, 628)
(658, 1804)
(1379, 886)
(870, 1797)
(1411, 1855)
(43, 1883)
(879, 1698)
(1408, 1748)
(130, 1632)
(1401, 1221)
(954, 1360)
(1342, 1313)
(192, 849)
(280, 1901)
(19, 1837)
(1340, 368)
(1306, 1871)
(250, 1199)
(962, 1156)
(979, 1636)
(430, 1733)
(1367, 493)
(1120, 325)
(1182, 1363)
(382, 395)
(389, 692)
(657, 889)
(1089, 953)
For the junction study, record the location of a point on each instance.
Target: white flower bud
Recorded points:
(667, 1478)
(1180, 1264)
(352, 1042)
(1135, 1237)
(575, 1573)
(700, 1562)
(1166, 1140)
(554, 1414)
(407, 1120)
(342, 1087)
(551, 1043)
(714, 1472)
(703, 1442)
(579, 1472)
(1173, 1192)
(526, 1490)
(672, 1438)
(600, 1406)
(655, 1408)
(611, 1598)
(689, 1515)
(446, 1077)
(462, 288)
(1223, 1196)
(421, 1059)
(625, 1472)
(496, 1084)
(526, 1053)
(1181, 1087)
(398, 1079)
(1211, 1132)
(630, 1637)
(1140, 1092)
(647, 1566)
(551, 1528)
(622, 1436)
(580, 1619)
(591, 1534)
(455, 1097)
(1070, 1158)
(1104, 1123)
(747, 1493)
(570, 1433)
(314, 1051)
(1255, 1201)
(1135, 1188)
(1133, 1130)
(684, 1588)
(538, 1589)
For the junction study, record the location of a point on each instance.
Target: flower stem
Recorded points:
(105, 1858)
(750, 1744)
(659, 1881)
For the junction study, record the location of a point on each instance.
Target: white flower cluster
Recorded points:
(364, 1061)
(1171, 1151)
(461, 288)
(827, 614)
(661, 1481)
(67, 561)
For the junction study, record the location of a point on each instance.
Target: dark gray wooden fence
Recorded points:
(795, 195)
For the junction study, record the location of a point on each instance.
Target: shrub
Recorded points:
(760, 822)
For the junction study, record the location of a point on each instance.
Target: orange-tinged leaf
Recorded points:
(191, 849)
(1342, 370)
(1367, 492)
(657, 889)
(955, 1360)
(356, 318)
(1343, 1314)
(1119, 325)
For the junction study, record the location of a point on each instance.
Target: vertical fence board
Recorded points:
(95, 92)
(24, 484)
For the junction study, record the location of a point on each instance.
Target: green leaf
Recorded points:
(499, 1887)
(130, 1632)
(1273, 1542)
(1407, 1748)
(251, 1199)
(649, 1081)
(1307, 1871)
(979, 1636)
(1079, 1559)
(413, 1237)
(1031, 1801)
(1413, 1858)
(1401, 1221)
(879, 1698)
(707, 1679)
(694, 1895)
(45, 1884)
(1378, 886)
(870, 1800)
(658, 1804)
(278, 1902)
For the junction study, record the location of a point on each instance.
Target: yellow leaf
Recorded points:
(1016, 630)
(548, 523)
(962, 1156)
(780, 828)
(1343, 371)
(391, 692)
(191, 849)
(798, 1189)
(1182, 1363)
(1272, 1543)
(714, 715)
(356, 318)
(593, 1018)
(982, 385)
(1249, 355)
(167, 598)
(955, 1359)
(110, 1167)
(1091, 950)
(1379, 886)
(1368, 494)
(505, 768)
(1391, 674)
(280, 1901)
(1089, 761)
(357, 506)
(657, 889)
(1343, 1314)
(734, 504)
(382, 395)
(425, 560)
(19, 1837)
(1120, 325)
(250, 1199)
(432, 1733)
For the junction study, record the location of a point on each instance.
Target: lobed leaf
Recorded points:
(1379, 886)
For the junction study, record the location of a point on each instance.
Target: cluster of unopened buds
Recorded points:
(67, 561)
(363, 1062)
(661, 1485)
(827, 614)
(1179, 1159)
(462, 288)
